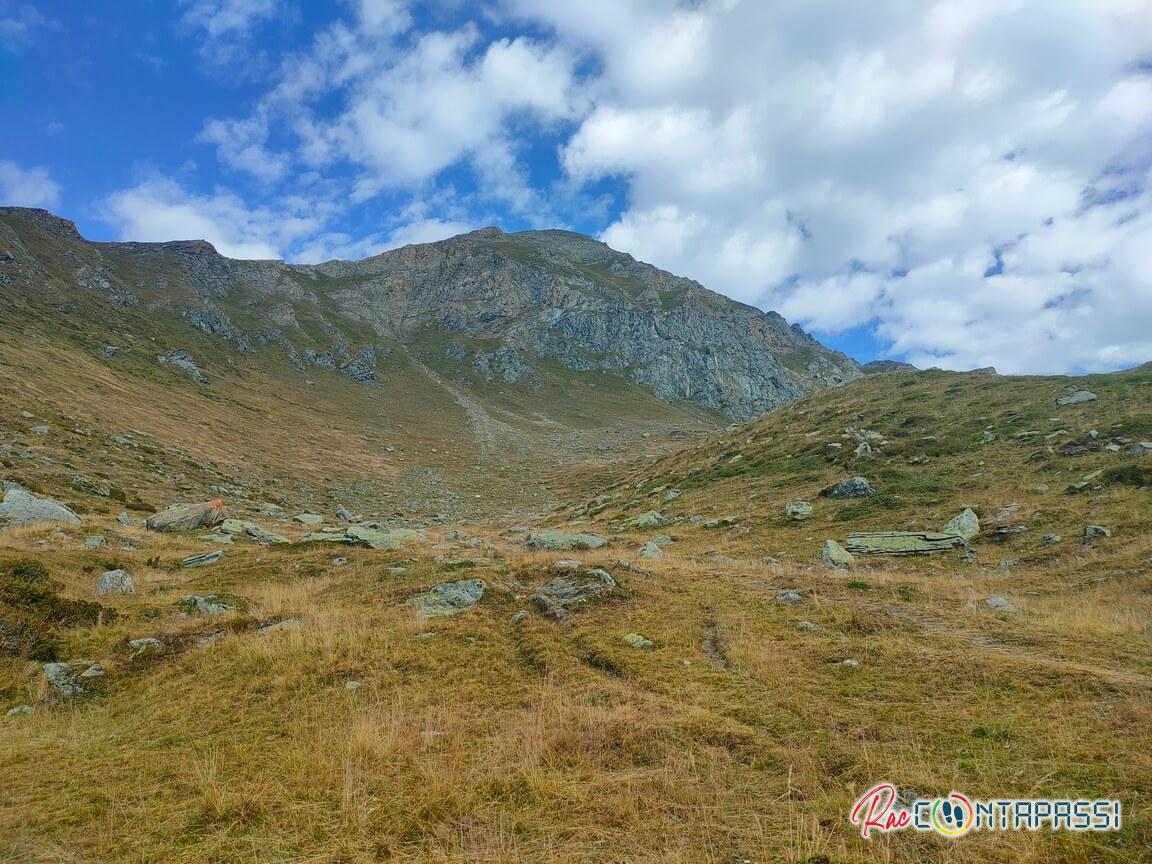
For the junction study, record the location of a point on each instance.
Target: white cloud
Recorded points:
(160, 210)
(851, 163)
(222, 18)
(27, 187)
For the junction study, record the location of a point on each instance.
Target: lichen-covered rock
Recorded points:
(187, 517)
(557, 596)
(798, 511)
(833, 555)
(902, 543)
(853, 487)
(449, 598)
(648, 521)
(966, 525)
(115, 582)
(560, 541)
(1076, 396)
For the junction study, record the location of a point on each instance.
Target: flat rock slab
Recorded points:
(449, 598)
(21, 507)
(902, 543)
(563, 542)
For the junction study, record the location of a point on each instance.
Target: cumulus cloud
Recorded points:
(27, 187)
(964, 177)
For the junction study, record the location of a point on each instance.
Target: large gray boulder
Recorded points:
(902, 543)
(187, 517)
(21, 507)
(560, 541)
(1075, 396)
(449, 598)
(966, 525)
(854, 487)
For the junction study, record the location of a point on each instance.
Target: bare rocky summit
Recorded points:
(511, 308)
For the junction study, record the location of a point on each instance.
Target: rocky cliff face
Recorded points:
(515, 308)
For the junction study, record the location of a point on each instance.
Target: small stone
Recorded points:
(18, 710)
(339, 562)
(789, 597)
(352, 685)
(1049, 539)
(798, 511)
(851, 663)
(144, 643)
(999, 604)
(115, 582)
(39, 430)
(806, 627)
(566, 565)
(1096, 532)
(280, 626)
(202, 560)
(635, 640)
(987, 437)
(836, 556)
(93, 671)
(344, 515)
(449, 598)
(722, 522)
(125, 519)
(308, 518)
(519, 617)
(95, 541)
(209, 605)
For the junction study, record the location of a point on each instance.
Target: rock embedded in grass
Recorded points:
(449, 598)
(999, 604)
(648, 521)
(789, 597)
(1095, 532)
(966, 525)
(853, 487)
(202, 560)
(635, 640)
(798, 511)
(21, 507)
(833, 555)
(1075, 396)
(187, 517)
(308, 518)
(560, 541)
(115, 582)
(651, 550)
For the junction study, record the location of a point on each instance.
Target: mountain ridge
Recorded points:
(533, 296)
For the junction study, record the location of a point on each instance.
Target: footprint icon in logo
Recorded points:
(951, 817)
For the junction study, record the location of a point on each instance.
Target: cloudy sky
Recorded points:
(957, 183)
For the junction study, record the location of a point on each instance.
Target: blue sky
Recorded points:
(955, 182)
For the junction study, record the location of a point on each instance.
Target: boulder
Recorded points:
(1142, 448)
(345, 515)
(1095, 532)
(902, 543)
(67, 679)
(1075, 396)
(966, 525)
(561, 541)
(722, 522)
(836, 556)
(853, 487)
(251, 529)
(798, 511)
(21, 507)
(449, 598)
(187, 517)
(651, 550)
(115, 582)
(309, 518)
(557, 596)
(648, 521)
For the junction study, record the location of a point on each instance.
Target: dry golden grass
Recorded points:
(737, 738)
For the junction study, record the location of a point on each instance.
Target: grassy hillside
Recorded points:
(364, 731)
